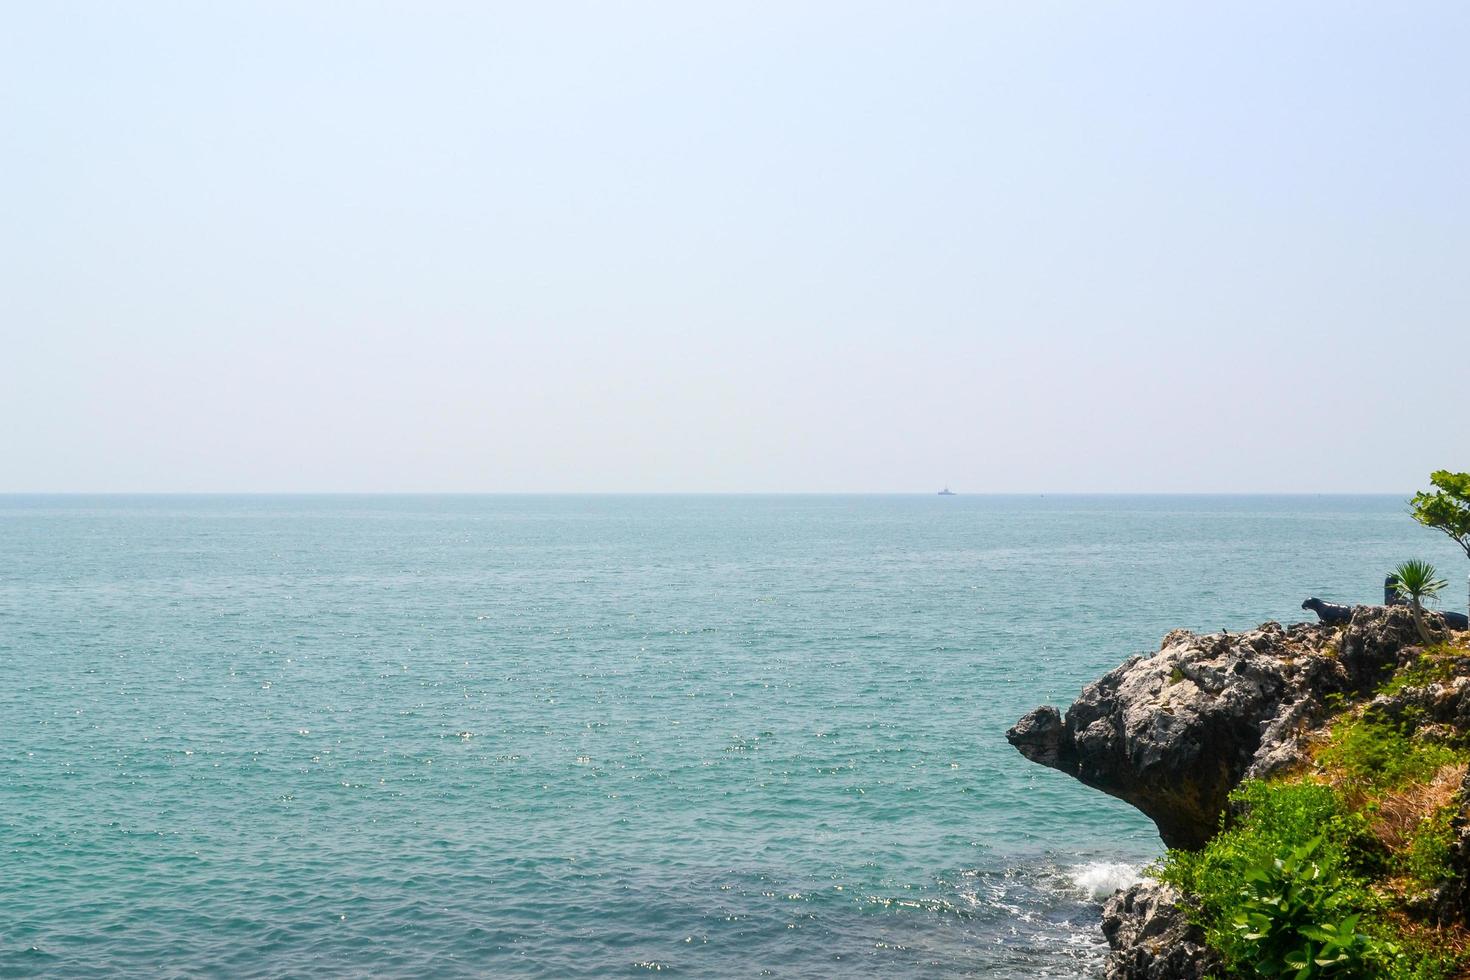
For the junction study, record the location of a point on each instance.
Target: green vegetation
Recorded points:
(1289, 868)
(1427, 857)
(1417, 581)
(1435, 665)
(1309, 875)
(1291, 919)
(1372, 755)
(1447, 509)
(1287, 890)
(1324, 873)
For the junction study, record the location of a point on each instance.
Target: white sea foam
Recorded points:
(1099, 879)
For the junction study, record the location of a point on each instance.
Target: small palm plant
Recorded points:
(1417, 582)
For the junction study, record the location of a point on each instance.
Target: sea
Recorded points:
(598, 736)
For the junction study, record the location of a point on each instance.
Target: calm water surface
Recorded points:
(597, 736)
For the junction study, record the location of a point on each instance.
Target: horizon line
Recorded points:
(701, 493)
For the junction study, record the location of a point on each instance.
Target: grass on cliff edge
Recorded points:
(1315, 875)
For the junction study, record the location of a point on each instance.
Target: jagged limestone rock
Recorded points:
(1151, 939)
(1175, 732)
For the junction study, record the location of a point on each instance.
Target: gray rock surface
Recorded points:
(1175, 732)
(1151, 939)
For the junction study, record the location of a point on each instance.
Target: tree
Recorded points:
(1447, 508)
(1417, 581)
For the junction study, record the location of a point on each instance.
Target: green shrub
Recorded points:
(1284, 890)
(1427, 858)
(1274, 819)
(1293, 919)
(1378, 755)
(1434, 665)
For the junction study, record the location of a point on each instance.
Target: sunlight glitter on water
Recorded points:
(559, 736)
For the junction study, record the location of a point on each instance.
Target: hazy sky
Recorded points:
(676, 246)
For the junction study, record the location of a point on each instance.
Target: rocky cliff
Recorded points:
(1175, 732)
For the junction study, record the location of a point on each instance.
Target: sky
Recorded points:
(743, 247)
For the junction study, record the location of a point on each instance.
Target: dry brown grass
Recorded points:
(1399, 812)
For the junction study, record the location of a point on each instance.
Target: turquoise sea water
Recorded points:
(596, 736)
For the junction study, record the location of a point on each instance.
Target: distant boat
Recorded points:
(946, 492)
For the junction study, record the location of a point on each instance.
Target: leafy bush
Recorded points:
(1274, 819)
(1434, 665)
(1447, 509)
(1284, 890)
(1292, 919)
(1378, 755)
(1427, 858)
